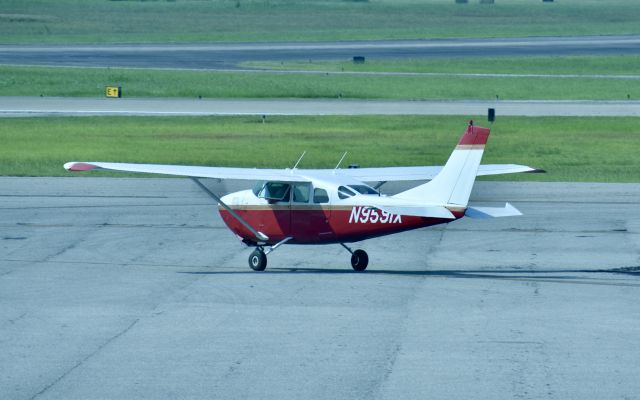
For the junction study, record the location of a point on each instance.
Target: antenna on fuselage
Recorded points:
(340, 162)
(299, 159)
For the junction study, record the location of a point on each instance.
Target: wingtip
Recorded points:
(536, 171)
(78, 166)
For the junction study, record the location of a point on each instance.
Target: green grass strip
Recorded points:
(42, 81)
(542, 65)
(570, 149)
(100, 21)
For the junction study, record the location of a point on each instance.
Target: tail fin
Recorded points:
(454, 182)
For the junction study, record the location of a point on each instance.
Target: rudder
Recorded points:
(452, 186)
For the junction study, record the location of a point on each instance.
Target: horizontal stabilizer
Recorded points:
(427, 212)
(492, 212)
(501, 169)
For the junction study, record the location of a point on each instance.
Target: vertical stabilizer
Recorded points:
(452, 186)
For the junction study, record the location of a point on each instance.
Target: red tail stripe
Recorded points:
(475, 135)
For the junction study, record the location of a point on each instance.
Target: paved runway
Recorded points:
(229, 55)
(70, 106)
(133, 288)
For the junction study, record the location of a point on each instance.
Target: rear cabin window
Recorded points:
(344, 192)
(320, 196)
(363, 189)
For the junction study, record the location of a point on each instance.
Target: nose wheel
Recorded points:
(258, 260)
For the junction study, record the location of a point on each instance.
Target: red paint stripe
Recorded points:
(316, 227)
(82, 167)
(475, 135)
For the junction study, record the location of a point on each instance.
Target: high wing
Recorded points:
(254, 174)
(387, 174)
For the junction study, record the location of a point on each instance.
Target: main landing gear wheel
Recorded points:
(359, 260)
(258, 260)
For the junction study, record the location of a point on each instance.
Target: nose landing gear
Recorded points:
(258, 260)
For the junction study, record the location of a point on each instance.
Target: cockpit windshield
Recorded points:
(257, 188)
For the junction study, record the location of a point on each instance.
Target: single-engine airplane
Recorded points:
(336, 206)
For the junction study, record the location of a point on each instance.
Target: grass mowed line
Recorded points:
(99, 21)
(570, 149)
(90, 82)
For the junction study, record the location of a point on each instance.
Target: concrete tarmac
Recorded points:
(133, 288)
(77, 106)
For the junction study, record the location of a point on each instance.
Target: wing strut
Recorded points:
(259, 235)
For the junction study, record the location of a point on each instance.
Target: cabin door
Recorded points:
(310, 213)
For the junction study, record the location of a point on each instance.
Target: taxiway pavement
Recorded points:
(133, 288)
(229, 55)
(76, 106)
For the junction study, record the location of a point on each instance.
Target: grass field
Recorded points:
(586, 149)
(48, 81)
(570, 149)
(101, 21)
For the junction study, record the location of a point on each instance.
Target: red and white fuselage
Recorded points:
(334, 220)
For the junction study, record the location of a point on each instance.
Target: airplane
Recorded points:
(338, 206)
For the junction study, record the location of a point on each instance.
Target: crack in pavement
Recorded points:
(152, 312)
(83, 360)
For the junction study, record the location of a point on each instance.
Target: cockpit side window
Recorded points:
(274, 191)
(344, 192)
(320, 196)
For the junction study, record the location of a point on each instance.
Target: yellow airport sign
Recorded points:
(113, 91)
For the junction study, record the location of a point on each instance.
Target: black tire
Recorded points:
(359, 260)
(258, 260)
